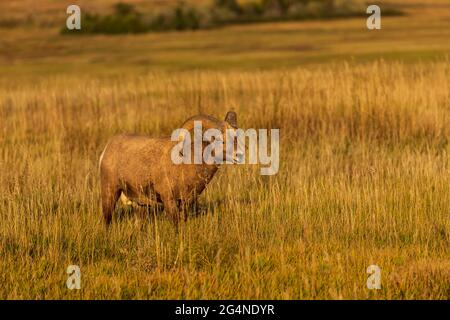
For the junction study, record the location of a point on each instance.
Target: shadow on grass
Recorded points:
(150, 213)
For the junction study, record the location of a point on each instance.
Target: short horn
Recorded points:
(231, 118)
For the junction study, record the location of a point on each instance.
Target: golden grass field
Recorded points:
(364, 166)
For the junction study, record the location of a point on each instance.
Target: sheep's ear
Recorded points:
(231, 118)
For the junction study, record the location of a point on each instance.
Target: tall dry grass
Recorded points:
(364, 179)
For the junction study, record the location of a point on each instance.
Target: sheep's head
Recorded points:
(218, 139)
(237, 153)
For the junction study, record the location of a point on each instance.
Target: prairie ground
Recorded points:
(364, 122)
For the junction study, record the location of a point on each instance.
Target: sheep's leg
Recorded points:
(171, 208)
(184, 208)
(110, 195)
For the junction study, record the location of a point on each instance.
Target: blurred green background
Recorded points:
(31, 42)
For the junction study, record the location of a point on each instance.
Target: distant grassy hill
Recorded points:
(52, 13)
(128, 18)
(34, 49)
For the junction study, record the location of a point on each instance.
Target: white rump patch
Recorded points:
(125, 201)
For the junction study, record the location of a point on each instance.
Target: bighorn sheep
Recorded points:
(139, 169)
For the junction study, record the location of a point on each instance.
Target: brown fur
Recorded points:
(140, 168)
